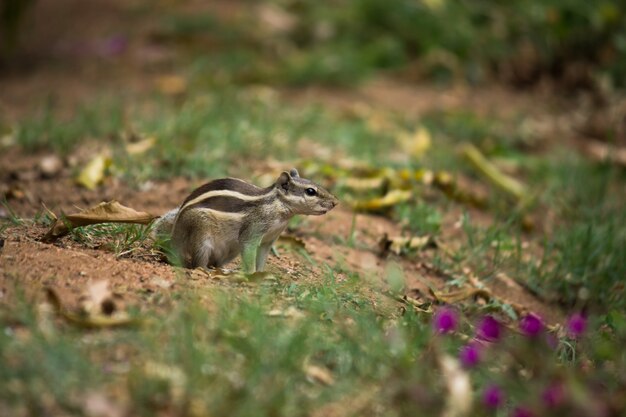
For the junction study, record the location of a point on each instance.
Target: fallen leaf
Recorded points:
(171, 84)
(109, 212)
(361, 185)
(93, 173)
(142, 146)
(98, 299)
(416, 143)
(411, 176)
(400, 244)
(444, 181)
(319, 374)
(420, 304)
(293, 241)
(494, 175)
(392, 198)
(453, 297)
(88, 321)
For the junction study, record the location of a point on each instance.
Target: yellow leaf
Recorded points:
(364, 184)
(454, 297)
(137, 148)
(390, 199)
(506, 183)
(319, 374)
(94, 171)
(416, 144)
(399, 244)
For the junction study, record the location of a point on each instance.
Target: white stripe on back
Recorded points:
(226, 193)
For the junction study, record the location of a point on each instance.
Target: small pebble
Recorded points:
(50, 166)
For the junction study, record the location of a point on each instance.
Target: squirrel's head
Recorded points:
(304, 196)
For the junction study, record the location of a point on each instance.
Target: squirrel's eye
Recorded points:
(310, 192)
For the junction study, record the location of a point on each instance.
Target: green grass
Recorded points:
(204, 136)
(584, 257)
(121, 239)
(233, 358)
(265, 356)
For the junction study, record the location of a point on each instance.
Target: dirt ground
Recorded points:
(70, 63)
(68, 266)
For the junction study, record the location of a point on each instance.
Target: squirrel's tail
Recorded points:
(163, 226)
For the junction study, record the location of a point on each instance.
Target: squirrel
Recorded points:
(227, 217)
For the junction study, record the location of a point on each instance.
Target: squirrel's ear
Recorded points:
(283, 181)
(294, 173)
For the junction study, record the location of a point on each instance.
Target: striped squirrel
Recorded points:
(229, 216)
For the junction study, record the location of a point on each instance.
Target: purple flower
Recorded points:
(445, 320)
(522, 412)
(576, 325)
(531, 325)
(470, 355)
(554, 395)
(488, 329)
(493, 397)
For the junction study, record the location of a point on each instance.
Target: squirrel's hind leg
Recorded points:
(201, 254)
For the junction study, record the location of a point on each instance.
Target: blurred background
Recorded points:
(49, 46)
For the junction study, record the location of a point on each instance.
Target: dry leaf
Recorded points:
(444, 181)
(142, 146)
(292, 241)
(417, 143)
(109, 212)
(93, 173)
(399, 244)
(410, 176)
(458, 383)
(319, 374)
(171, 84)
(506, 183)
(99, 300)
(361, 185)
(88, 321)
(389, 200)
(454, 297)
